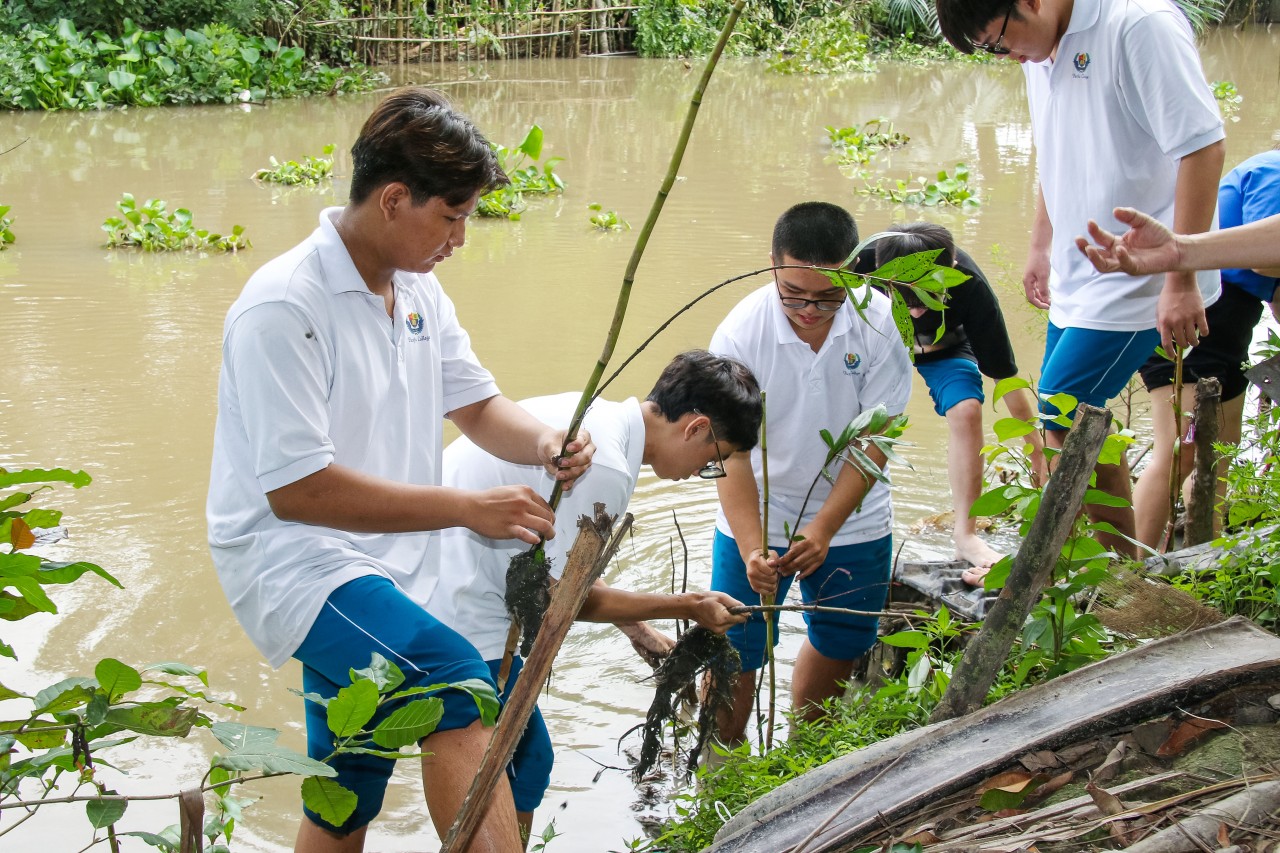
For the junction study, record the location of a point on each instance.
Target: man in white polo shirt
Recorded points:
(702, 411)
(340, 360)
(1120, 115)
(821, 365)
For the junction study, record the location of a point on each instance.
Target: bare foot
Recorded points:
(972, 549)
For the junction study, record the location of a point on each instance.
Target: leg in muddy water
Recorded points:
(314, 839)
(815, 679)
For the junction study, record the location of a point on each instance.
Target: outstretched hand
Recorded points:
(1147, 247)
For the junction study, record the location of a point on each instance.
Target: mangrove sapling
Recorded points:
(628, 278)
(699, 650)
(310, 172)
(64, 736)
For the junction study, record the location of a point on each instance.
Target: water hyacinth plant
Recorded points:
(521, 166)
(311, 171)
(152, 228)
(6, 227)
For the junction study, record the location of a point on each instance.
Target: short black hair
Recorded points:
(909, 238)
(723, 389)
(415, 137)
(962, 20)
(815, 232)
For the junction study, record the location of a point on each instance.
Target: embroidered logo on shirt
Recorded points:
(1081, 62)
(851, 362)
(416, 325)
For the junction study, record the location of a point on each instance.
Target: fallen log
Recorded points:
(941, 759)
(1249, 808)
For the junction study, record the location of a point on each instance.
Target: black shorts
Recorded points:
(1221, 353)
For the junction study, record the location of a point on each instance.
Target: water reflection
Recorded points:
(113, 356)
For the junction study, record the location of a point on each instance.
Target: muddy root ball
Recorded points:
(528, 594)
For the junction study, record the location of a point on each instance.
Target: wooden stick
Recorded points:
(591, 552)
(767, 600)
(1204, 476)
(814, 608)
(642, 240)
(1175, 467)
(1032, 567)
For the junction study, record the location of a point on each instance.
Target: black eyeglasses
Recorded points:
(824, 305)
(712, 470)
(998, 48)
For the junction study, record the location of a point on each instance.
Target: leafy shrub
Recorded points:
(311, 171)
(1229, 99)
(58, 68)
(827, 44)
(109, 15)
(153, 229)
(859, 143)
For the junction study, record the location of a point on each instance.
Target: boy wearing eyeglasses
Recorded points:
(703, 411)
(821, 365)
(952, 366)
(1120, 115)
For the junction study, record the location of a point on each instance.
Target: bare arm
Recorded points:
(346, 499)
(1180, 310)
(709, 609)
(1149, 247)
(851, 486)
(740, 500)
(1035, 277)
(507, 431)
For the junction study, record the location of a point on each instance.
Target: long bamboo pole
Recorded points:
(642, 240)
(767, 600)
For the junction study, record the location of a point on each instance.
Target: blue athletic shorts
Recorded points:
(530, 767)
(366, 615)
(1092, 366)
(951, 381)
(853, 576)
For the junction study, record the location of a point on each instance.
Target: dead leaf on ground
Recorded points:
(1187, 733)
(1115, 758)
(1042, 759)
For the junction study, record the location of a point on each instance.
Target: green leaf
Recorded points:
(532, 144)
(996, 799)
(78, 479)
(120, 79)
(352, 708)
(17, 498)
(42, 518)
(328, 799)
(1007, 429)
(999, 574)
(909, 269)
(1064, 403)
(996, 501)
(154, 718)
(104, 813)
(255, 748)
(178, 668)
(382, 672)
(1004, 386)
(1097, 497)
(116, 678)
(907, 640)
(9, 693)
(168, 841)
(409, 724)
(65, 695)
(486, 700)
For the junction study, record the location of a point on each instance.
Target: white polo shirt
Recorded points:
(314, 372)
(471, 595)
(860, 365)
(1112, 116)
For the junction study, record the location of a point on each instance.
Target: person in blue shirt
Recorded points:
(1249, 193)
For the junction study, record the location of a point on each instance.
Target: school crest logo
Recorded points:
(851, 362)
(1081, 62)
(416, 326)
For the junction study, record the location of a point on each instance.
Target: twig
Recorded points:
(813, 608)
(767, 600)
(107, 798)
(15, 147)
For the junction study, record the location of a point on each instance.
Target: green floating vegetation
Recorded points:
(607, 220)
(152, 228)
(1229, 99)
(6, 229)
(310, 172)
(56, 67)
(948, 189)
(521, 166)
(856, 145)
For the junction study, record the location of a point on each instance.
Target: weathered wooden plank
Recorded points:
(921, 766)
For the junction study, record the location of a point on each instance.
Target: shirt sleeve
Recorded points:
(281, 372)
(1163, 86)
(975, 306)
(465, 380)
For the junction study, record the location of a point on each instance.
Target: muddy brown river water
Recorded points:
(112, 357)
